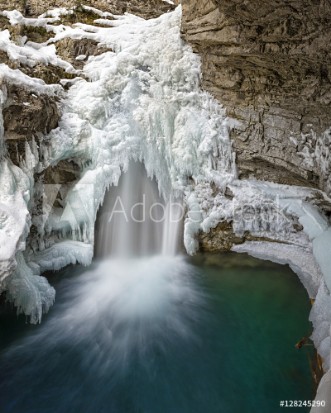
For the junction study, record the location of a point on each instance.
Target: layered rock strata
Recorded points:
(269, 64)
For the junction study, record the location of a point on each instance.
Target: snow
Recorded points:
(15, 18)
(254, 206)
(30, 54)
(56, 13)
(30, 293)
(322, 252)
(38, 86)
(63, 254)
(316, 154)
(192, 223)
(323, 393)
(98, 12)
(316, 226)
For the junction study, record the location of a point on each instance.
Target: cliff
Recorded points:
(146, 9)
(269, 64)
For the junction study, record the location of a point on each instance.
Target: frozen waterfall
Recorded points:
(139, 100)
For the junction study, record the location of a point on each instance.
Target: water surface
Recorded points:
(214, 333)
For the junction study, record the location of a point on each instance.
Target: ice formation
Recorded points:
(14, 215)
(141, 100)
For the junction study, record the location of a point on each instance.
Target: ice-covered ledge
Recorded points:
(324, 393)
(318, 230)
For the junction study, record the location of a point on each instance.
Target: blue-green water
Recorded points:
(211, 334)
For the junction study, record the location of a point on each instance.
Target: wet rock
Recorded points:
(59, 178)
(13, 5)
(222, 238)
(218, 239)
(50, 74)
(26, 116)
(69, 49)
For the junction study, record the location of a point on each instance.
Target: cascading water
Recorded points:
(140, 280)
(137, 301)
(135, 221)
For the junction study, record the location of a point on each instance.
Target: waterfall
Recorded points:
(135, 220)
(124, 315)
(139, 291)
(172, 224)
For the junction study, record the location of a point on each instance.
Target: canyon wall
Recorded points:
(146, 8)
(269, 64)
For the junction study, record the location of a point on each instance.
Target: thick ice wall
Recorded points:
(144, 100)
(14, 215)
(2, 102)
(321, 319)
(29, 292)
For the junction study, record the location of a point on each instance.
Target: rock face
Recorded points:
(145, 8)
(12, 5)
(269, 64)
(26, 116)
(69, 49)
(220, 238)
